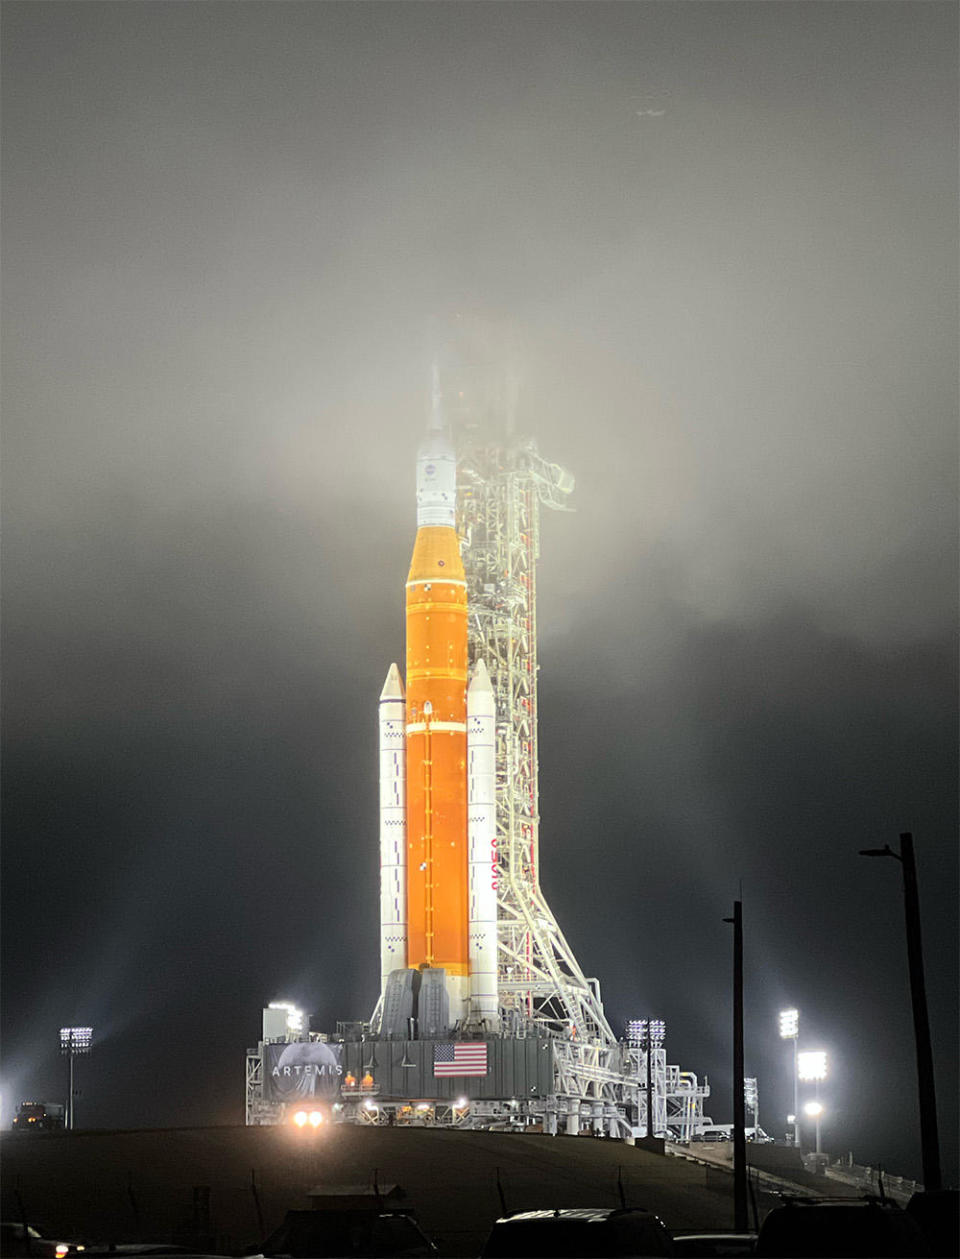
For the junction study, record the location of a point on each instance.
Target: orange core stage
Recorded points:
(437, 868)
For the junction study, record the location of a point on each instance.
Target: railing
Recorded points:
(868, 1180)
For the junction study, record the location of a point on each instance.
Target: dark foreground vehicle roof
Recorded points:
(938, 1214)
(356, 1234)
(860, 1228)
(584, 1232)
(716, 1245)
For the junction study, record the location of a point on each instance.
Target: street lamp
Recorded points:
(929, 1137)
(790, 1030)
(74, 1043)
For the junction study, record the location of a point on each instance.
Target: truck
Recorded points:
(39, 1117)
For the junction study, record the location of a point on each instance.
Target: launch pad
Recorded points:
(485, 1018)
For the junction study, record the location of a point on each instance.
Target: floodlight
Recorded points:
(75, 1040)
(300, 1118)
(812, 1065)
(461, 1102)
(791, 1119)
(813, 1109)
(294, 1016)
(789, 1023)
(422, 1106)
(639, 1029)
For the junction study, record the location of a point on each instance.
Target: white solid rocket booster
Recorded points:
(482, 847)
(393, 827)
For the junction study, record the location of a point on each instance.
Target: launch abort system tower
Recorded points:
(485, 1016)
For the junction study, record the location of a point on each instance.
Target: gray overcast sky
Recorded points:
(724, 237)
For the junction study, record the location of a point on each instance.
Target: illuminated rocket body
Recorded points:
(437, 892)
(438, 889)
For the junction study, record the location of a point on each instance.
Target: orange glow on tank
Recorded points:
(437, 877)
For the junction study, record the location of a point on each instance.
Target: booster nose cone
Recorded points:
(480, 697)
(393, 686)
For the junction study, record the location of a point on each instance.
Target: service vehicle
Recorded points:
(39, 1117)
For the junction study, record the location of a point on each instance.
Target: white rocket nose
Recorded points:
(436, 482)
(436, 469)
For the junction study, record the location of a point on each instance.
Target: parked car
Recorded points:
(360, 1233)
(715, 1245)
(840, 1228)
(19, 1239)
(724, 1132)
(588, 1233)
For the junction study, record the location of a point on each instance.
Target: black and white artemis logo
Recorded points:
(302, 1070)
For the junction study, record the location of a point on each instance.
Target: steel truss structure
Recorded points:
(542, 989)
(500, 490)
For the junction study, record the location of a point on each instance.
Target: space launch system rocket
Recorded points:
(438, 863)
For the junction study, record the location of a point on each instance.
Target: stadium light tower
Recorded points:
(74, 1043)
(814, 1110)
(645, 1033)
(813, 1066)
(790, 1030)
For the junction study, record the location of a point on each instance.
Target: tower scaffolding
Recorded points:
(500, 490)
(502, 483)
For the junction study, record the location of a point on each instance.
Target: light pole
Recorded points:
(929, 1137)
(74, 1043)
(814, 1110)
(644, 1034)
(790, 1030)
(739, 1136)
(812, 1065)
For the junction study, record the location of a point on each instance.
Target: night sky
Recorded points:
(724, 237)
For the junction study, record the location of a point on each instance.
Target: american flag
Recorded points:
(461, 1058)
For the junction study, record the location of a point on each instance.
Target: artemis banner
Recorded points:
(301, 1071)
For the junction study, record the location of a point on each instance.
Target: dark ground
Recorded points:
(138, 1185)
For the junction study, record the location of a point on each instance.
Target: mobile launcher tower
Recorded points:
(485, 1018)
